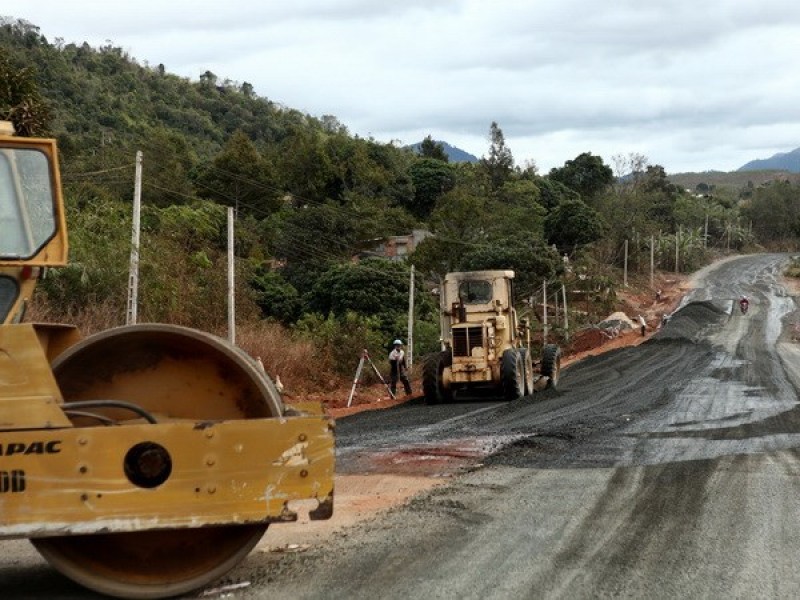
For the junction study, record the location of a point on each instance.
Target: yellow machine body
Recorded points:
(112, 445)
(72, 481)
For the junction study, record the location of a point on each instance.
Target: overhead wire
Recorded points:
(306, 249)
(68, 176)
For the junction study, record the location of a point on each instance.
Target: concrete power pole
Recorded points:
(652, 258)
(231, 282)
(544, 312)
(625, 268)
(410, 345)
(133, 272)
(566, 316)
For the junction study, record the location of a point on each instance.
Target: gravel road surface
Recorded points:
(664, 470)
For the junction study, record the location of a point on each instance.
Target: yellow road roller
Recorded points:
(144, 461)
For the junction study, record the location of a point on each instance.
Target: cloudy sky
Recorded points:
(691, 85)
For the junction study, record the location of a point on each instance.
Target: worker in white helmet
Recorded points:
(397, 362)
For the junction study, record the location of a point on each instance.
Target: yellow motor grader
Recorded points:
(485, 345)
(144, 461)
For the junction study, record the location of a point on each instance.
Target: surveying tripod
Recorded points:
(365, 358)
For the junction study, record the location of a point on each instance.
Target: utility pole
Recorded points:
(652, 258)
(566, 317)
(625, 267)
(555, 304)
(677, 238)
(544, 312)
(231, 295)
(133, 272)
(705, 234)
(410, 345)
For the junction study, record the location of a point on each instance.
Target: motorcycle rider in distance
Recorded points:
(744, 304)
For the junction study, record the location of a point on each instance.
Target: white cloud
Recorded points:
(693, 87)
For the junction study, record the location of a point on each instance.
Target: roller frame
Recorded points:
(224, 473)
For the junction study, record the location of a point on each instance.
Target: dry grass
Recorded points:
(296, 361)
(92, 319)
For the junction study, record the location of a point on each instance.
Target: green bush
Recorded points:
(340, 341)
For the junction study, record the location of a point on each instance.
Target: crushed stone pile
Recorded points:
(618, 319)
(692, 320)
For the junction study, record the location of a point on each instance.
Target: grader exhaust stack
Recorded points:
(144, 461)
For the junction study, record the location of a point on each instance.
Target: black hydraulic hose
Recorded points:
(82, 404)
(88, 415)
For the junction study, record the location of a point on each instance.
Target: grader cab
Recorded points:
(143, 461)
(485, 345)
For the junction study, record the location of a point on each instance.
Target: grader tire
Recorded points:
(432, 387)
(551, 364)
(512, 375)
(527, 363)
(175, 373)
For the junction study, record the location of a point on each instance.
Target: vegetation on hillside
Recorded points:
(310, 198)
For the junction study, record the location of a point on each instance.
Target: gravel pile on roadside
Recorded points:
(692, 320)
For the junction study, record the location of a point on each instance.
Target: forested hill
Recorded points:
(104, 106)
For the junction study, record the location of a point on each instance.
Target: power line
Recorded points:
(101, 172)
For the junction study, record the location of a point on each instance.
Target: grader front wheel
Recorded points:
(173, 373)
(432, 378)
(512, 374)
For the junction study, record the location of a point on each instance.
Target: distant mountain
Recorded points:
(783, 161)
(454, 154)
(735, 180)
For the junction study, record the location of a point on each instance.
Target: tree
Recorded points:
(305, 167)
(168, 162)
(775, 211)
(500, 163)
(208, 79)
(100, 231)
(318, 234)
(572, 224)
(275, 296)
(661, 195)
(431, 149)
(20, 99)
(431, 178)
(628, 169)
(552, 193)
(586, 174)
(531, 261)
(516, 210)
(374, 288)
(239, 177)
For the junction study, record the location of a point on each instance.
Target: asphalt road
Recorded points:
(665, 470)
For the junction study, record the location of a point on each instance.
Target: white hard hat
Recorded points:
(396, 342)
